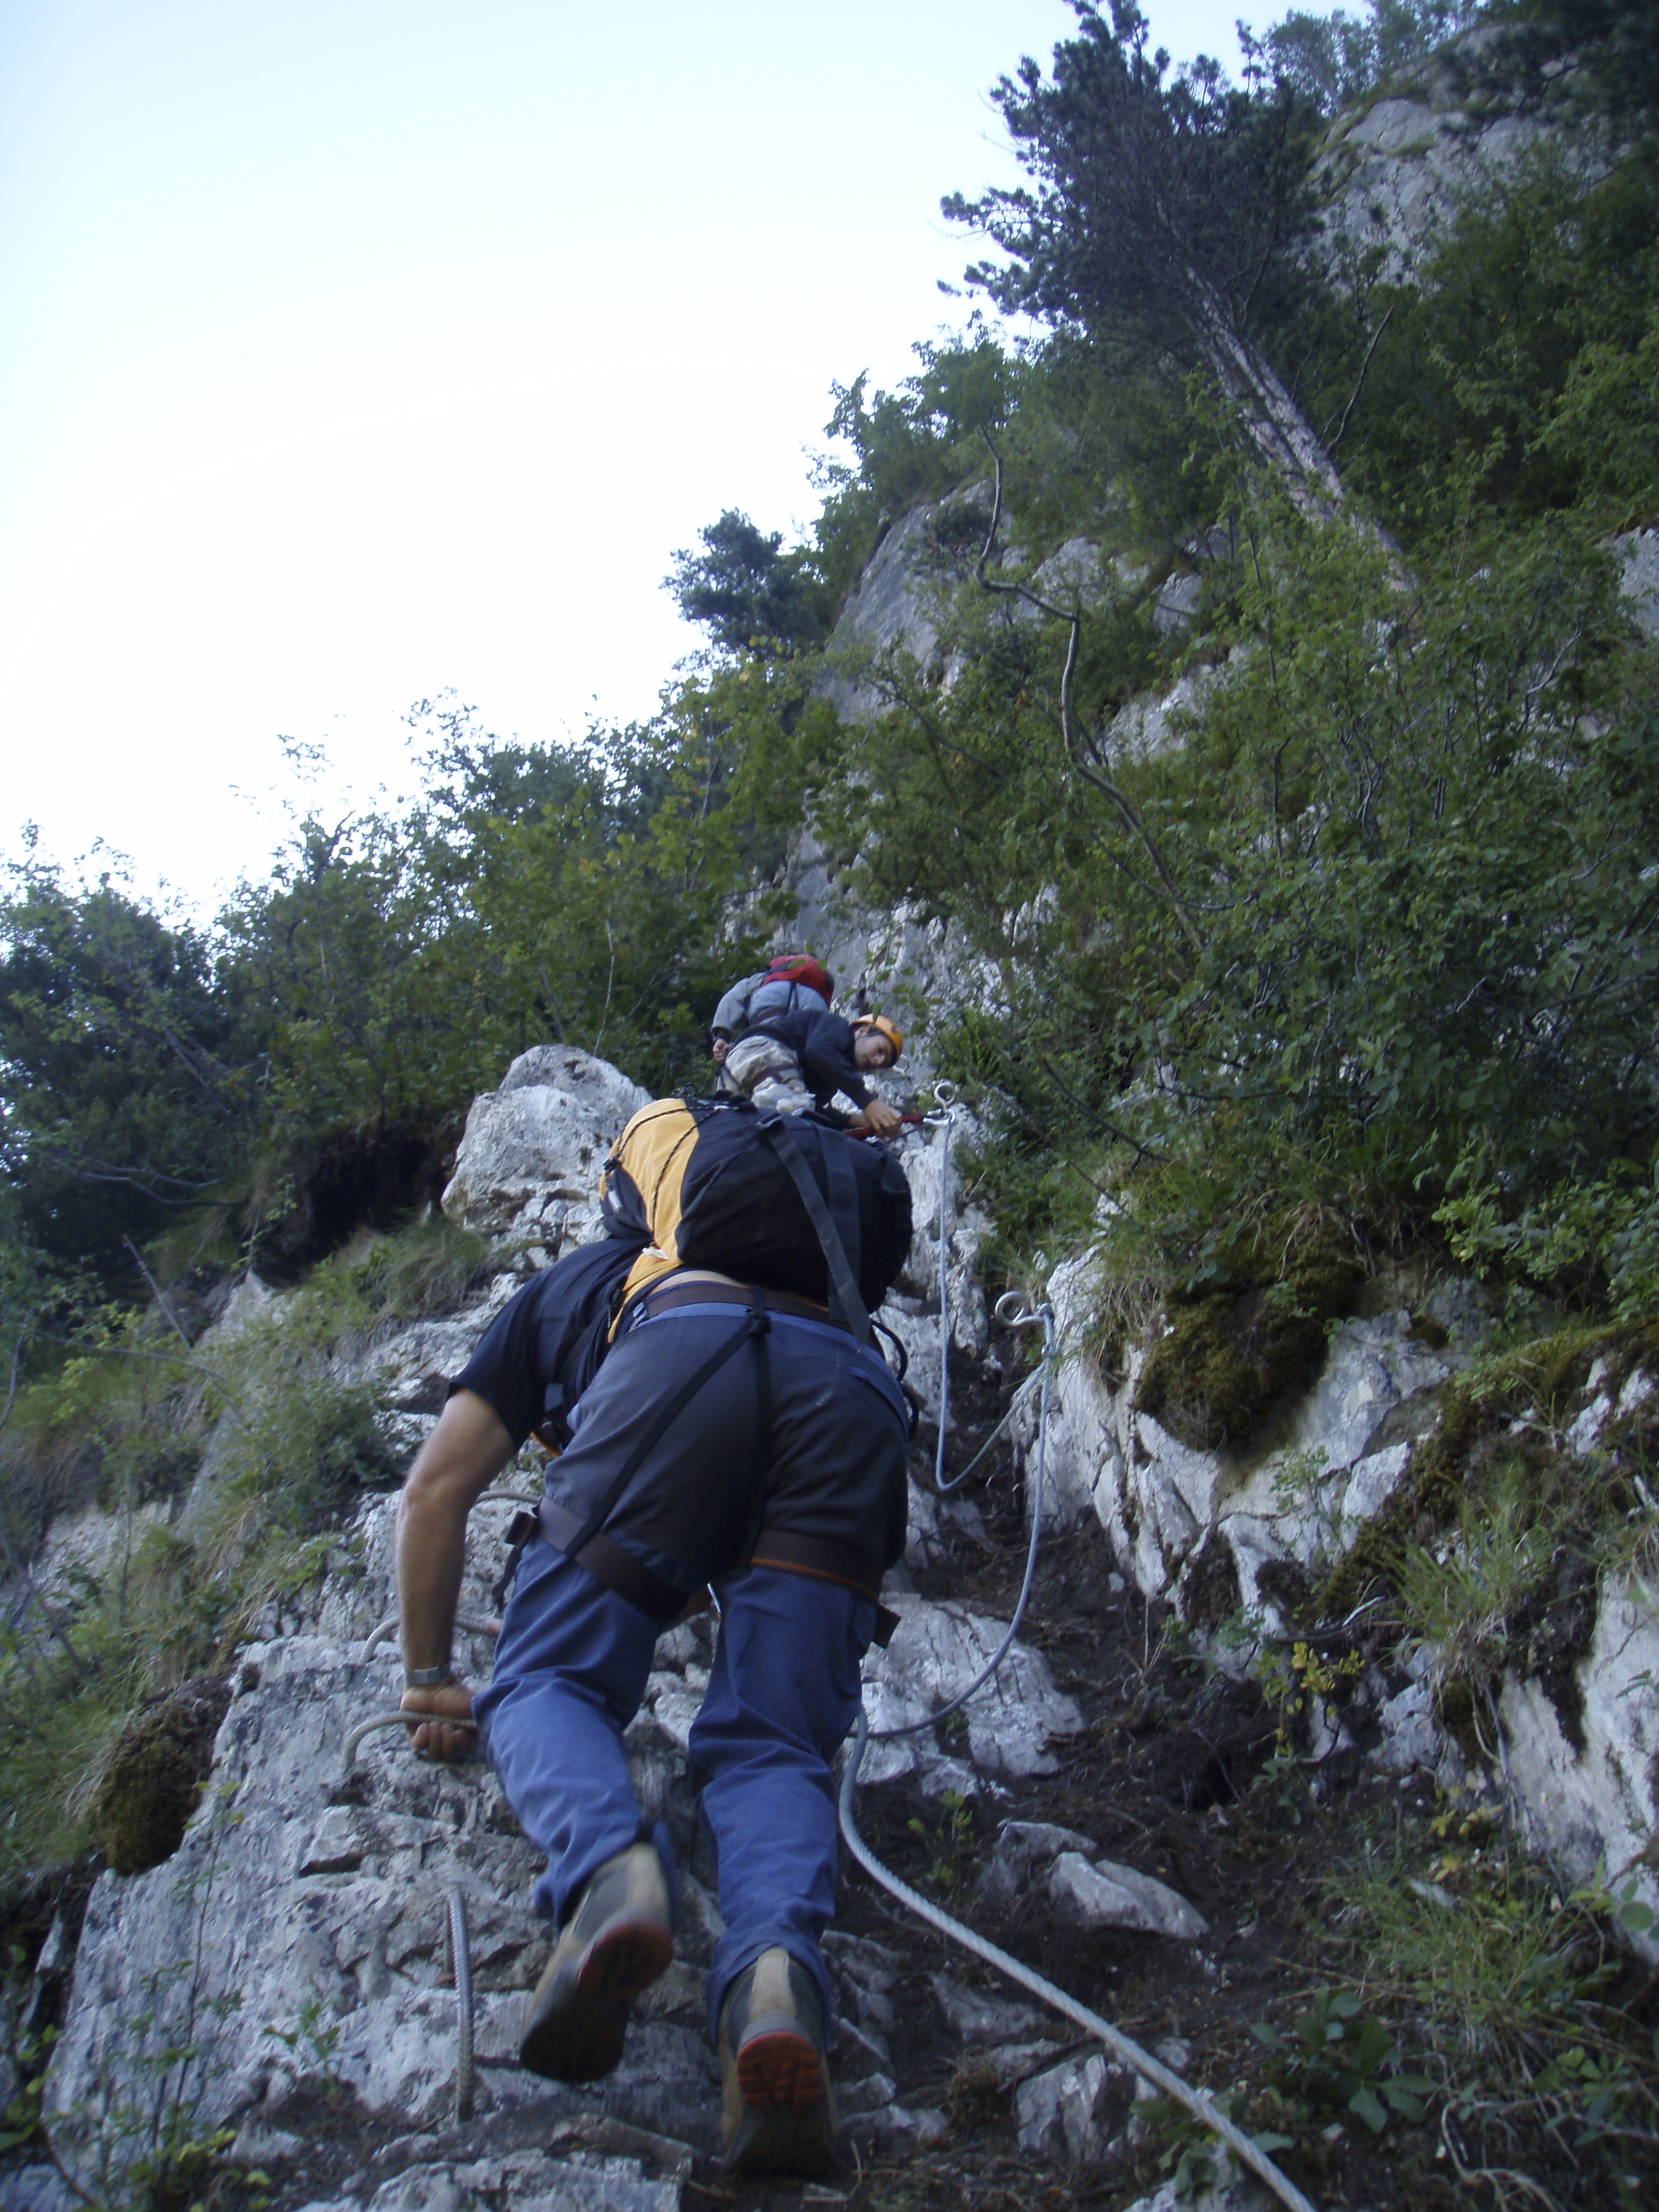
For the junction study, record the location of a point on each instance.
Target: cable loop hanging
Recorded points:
(943, 1118)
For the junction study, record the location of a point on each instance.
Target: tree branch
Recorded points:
(1359, 386)
(1089, 770)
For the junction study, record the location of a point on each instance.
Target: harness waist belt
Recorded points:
(779, 1548)
(730, 1294)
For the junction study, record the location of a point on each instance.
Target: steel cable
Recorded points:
(460, 1967)
(1140, 2061)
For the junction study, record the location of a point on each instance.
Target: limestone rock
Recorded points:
(37, 2189)
(1231, 2194)
(978, 2016)
(1021, 1845)
(307, 1889)
(530, 1161)
(1638, 554)
(896, 2127)
(1595, 1804)
(525, 2181)
(934, 1520)
(1410, 1739)
(1396, 169)
(413, 1366)
(892, 607)
(1010, 2064)
(936, 1652)
(1299, 1492)
(1056, 2112)
(1153, 724)
(1108, 1895)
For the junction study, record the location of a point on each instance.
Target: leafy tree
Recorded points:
(1172, 209)
(1334, 60)
(1522, 350)
(753, 597)
(1412, 829)
(1598, 58)
(130, 1065)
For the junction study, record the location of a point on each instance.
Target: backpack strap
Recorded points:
(846, 1305)
(586, 1541)
(843, 1198)
(760, 1328)
(560, 1527)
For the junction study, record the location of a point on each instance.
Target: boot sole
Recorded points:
(788, 2126)
(780, 2072)
(580, 2037)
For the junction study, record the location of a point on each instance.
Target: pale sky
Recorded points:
(356, 350)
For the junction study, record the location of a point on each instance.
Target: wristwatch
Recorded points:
(427, 1678)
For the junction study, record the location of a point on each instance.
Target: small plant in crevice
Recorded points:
(312, 2039)
(1510, 1985)
(31, 2055)
(1298, 1684)
(1187, 2152)
(948, 1841)
(1340, 2058)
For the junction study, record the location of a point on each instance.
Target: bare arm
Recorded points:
(456, 1464)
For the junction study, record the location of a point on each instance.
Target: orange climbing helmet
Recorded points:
(882, 1027)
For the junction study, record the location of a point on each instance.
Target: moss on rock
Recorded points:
(1479, 1411)
(153, 1780)
(1225, 1354)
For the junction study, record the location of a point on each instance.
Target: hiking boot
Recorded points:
(615, 1944)
(779, 2115)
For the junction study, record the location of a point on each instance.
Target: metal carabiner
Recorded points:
(942, 1112)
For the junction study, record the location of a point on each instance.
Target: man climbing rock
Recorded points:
(791, 1062)
(740, 1432)
(792, 979)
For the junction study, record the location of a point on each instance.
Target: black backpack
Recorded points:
(767, 1198)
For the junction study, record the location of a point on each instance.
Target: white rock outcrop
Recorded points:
(1592, 1806)
(1396, 169)
(1225, 1533)
(529, 1163)
(1315, 1472)
(1012, 1725)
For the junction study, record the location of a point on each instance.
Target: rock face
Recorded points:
(912, 1311)
(1395, 169)
(1228, 1536)
(529, 1163)
(1179, 1519)
(1638, 554)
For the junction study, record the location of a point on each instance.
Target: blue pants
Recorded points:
(570, 1669)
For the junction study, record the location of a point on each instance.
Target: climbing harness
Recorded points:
(1013, 1314)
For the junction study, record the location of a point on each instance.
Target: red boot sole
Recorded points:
(780, 2073)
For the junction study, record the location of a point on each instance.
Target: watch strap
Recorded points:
(427, 1678)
